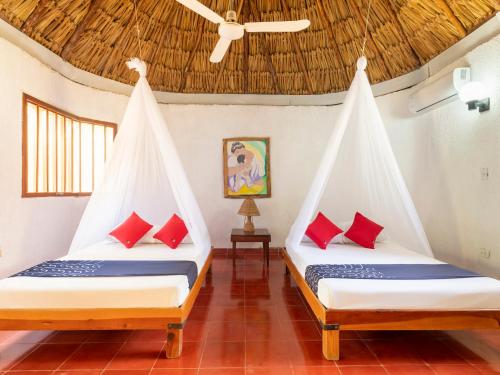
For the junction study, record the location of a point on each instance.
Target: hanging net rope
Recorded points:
(359, 172)
(143, 174)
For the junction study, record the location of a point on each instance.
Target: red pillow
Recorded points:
(173, 232)
(131, 230)
(363, 231)
(322, 230)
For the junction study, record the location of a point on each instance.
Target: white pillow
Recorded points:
(337, 239)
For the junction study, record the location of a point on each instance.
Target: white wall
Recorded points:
(440, 154)
(35, 229)
(298, 137)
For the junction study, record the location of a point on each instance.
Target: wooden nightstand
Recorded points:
(259, 235)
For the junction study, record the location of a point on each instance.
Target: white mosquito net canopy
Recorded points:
(143, 174)
(358, 172)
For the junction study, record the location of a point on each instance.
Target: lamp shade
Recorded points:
(249, 208)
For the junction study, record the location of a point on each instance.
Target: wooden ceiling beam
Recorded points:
(452, 17)
(221, 70)
(298, 51)
(321, 12)
(362, 22)
(37, 13)
(269, 62)
(82, 26)
(264, 47)
(246, 57)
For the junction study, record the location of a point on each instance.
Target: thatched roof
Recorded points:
(99, 36)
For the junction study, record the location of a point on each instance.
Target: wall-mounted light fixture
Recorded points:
(475, 95)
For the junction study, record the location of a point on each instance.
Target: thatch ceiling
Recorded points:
(99, 36)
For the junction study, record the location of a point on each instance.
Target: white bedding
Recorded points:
(452, 294)
(101, 292)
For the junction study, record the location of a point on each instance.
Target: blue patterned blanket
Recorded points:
(316, 272)
(113, 268)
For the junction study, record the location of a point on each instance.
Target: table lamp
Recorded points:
(248, 209)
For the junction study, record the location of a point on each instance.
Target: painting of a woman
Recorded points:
(246, 167)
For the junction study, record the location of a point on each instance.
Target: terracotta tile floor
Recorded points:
(249, 322)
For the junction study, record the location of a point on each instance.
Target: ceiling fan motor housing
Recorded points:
(231, 30)
(231, 16)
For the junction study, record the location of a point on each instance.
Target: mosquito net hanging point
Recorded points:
(138, 65)
(143, 174)
(358, 172)
(361, 63)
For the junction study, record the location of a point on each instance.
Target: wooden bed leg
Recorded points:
(287, 271)
(208, 276)
(174, 340)
(331, 342)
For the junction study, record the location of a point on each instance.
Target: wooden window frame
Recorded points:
(67, 115)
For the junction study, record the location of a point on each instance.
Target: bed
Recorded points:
(139, 302)
(361, 304)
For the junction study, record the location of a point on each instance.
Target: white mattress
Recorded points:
(101, 292)
(452, 294)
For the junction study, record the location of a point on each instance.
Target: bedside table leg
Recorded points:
(234, 253)
(266, 252)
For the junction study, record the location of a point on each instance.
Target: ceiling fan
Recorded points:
(230, 29)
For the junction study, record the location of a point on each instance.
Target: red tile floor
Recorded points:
(245, 321)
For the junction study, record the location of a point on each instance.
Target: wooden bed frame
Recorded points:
(173, 318)
(333, 321)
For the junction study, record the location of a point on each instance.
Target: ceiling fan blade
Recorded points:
(281, 26)
(202, 10)
(220, 50)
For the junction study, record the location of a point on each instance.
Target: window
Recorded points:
(63, 154)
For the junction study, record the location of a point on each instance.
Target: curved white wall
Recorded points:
(440, 154)
(35, 229)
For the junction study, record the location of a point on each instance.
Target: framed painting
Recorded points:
(246, 167)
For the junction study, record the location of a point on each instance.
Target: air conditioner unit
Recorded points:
(434, 93)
